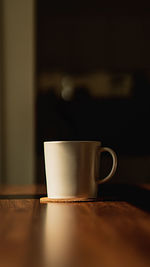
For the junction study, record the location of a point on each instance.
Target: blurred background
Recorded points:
(72, 70)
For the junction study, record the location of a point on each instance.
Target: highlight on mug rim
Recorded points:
(73, 141)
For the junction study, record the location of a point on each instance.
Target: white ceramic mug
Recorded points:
(72, 169)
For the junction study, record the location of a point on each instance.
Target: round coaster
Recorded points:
(47, 200)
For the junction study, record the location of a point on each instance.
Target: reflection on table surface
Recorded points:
(113, 232)
(59, 236)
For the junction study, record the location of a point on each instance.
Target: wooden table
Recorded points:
(111, 232)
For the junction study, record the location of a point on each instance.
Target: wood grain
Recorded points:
(109, 233)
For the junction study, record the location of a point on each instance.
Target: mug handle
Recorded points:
(114, 164)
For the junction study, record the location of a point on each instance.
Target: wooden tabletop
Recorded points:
(114, 231)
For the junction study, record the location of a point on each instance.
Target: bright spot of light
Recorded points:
(67, 88)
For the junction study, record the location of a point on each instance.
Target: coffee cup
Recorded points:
(72, 169)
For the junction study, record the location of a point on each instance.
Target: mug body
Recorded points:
(71, 169)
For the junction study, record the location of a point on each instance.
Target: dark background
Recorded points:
(78, 38)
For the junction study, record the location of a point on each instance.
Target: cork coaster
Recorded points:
(47, 200)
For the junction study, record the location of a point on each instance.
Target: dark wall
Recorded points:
(80, 38)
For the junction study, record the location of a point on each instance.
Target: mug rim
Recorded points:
(73, 141)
